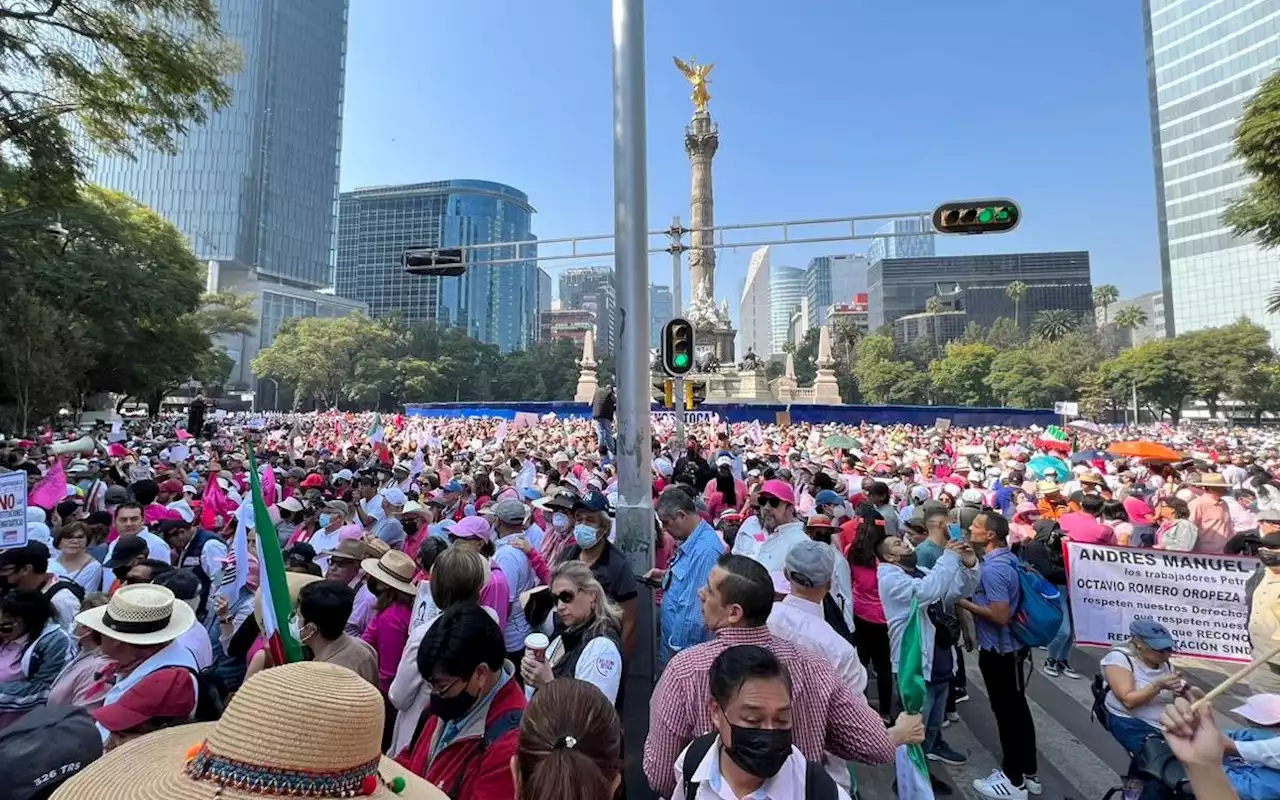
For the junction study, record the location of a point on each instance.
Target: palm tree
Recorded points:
(1016, 291)
(1053, 324)
(1130, 318)
(934, 307)
(1103, 297)
(1273, 300)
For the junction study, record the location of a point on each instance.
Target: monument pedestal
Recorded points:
(587, 379)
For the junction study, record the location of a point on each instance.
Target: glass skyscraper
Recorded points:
(833, 279)
(912, 238)
(496, 304)
(786, 291)
(1205, 59)
(258, 184)
(661, 310)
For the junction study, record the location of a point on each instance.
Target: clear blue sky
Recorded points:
(826, 109)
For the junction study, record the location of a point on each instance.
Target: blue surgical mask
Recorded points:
(560, 521)
(325, 519)
(585, 535)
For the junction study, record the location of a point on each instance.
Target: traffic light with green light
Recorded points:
(677, 347)
(976, 216)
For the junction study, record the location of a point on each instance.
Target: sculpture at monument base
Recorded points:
(587, 379)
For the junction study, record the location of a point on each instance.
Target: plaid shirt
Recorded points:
(828, 716)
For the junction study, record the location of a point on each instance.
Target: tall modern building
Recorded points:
(496, 304)
(755, 323)
(593, 289)
(1151, 304)
(834, 279)
(786, 293)
(546, 290)
(898, 287)
(1205, 59)
(902, 238)
(255, 189)
(661, 309)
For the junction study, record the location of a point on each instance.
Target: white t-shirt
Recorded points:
(788, 783)
(65, 605)
(1143, 676)
(324, 540)
(599, 665)
(196, 639)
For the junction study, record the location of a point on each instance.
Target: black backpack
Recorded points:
(68, 584)
(818, 785)
(211, 694)
(1100, 690)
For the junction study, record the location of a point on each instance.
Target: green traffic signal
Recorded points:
(976, 216)
(677, 347)
(986, 215)
(681, 360)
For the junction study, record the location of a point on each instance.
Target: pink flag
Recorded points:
(216, 504)
(181, 434)
(50, 489)
(269, 486)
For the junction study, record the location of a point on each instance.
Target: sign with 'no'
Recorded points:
(13, 509)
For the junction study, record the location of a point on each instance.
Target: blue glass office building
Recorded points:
(258, 184)
(496, 304)
(911, 238)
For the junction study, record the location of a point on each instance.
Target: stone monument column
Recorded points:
(701, 139)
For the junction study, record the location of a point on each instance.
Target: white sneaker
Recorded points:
(998, 787)
(1070, 673)
(952, 716)
(946, 723)
(1033, 784)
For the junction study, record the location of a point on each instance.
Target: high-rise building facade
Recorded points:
(593, 289)
(901, 286)
(902, 238)
(255, 188)
(786, 291)
(1205, 59)
(755, 325)
(546, 290)
(834, 279)
(661, 309)
(1152, 327)
(496, 304)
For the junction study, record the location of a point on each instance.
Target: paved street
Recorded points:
(1078, 759)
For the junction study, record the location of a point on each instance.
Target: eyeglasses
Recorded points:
(132, 579)
(566, 597)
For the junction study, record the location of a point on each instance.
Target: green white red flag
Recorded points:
(279, 628)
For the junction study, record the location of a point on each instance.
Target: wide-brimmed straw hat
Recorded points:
(1211, 480)
(395, 569)
(140, 614)
(255, 749)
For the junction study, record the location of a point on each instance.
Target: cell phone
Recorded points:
(954, 531)
(650, 582)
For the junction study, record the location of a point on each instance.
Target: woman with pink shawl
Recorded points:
(1024, 519)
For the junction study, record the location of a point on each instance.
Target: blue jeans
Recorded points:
(1060, 647)
(934, 712)
(604, 433)
(1130, 732)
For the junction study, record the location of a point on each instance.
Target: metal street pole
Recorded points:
(677, 300)
(631, 242)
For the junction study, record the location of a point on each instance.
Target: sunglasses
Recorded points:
(565, 597)
(770, 502)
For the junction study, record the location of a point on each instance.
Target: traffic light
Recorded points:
(695, 394)
(433, 261)
(976, 216)
(677, 347)
(665, 389)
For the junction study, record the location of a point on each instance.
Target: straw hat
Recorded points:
(1211, 480)
(395, 569)
(140, 614)
(256, 742)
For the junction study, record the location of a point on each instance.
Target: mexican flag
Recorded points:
(1054, 433)
(377, 432)
(911, 767)
(278, 625)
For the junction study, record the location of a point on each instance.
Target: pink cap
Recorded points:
(472, 528)
(779, 489)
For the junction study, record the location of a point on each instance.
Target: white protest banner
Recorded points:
(694, 417)
(13, 509)
(1199, 597)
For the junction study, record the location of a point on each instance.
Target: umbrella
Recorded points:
(1085, 425)
(1089, 456)
(1145, 451)
(1044, 465)
(841, 443)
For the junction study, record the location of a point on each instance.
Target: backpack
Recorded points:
(818, 785)
(211, 694)
(1100, 689)
(68, 584)
(1038, 616)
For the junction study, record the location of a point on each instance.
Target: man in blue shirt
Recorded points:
(1001, 658)
(698, 549)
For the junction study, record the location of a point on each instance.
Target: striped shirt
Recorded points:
(828, 716)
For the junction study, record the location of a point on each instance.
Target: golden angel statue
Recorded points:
(697, 74)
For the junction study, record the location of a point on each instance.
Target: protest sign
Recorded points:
(13, 509)
(1199, 597)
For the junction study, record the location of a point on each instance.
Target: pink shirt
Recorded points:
(388, 633)
(1213, 519)
(496, 594)
(1085, 528)
(866, 595)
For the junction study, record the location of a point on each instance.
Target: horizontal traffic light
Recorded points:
(695, 394)
(433, 261)
(677, 347)
(976, 216)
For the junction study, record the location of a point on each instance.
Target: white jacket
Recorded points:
(948, 581)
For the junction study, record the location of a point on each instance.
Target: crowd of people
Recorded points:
(467, 616)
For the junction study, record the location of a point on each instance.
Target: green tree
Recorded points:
(960, 376)
(1024, 378)
(974, 333)
(121, 74)
(1052, 324)
(1005, 334)
(41, 352)
(885, 377)
(325, 359)
(1218, 357)
(1159, 372)
(1103, 297)
(1073, 357)
(1259, 389)
(1016, 290)
(1130, 318)
(805, 356)
(933, 307)
(1257, 145)
(227, 314)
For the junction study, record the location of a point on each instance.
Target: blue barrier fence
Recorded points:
(734, 412)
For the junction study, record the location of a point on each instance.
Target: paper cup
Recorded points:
(536, 644)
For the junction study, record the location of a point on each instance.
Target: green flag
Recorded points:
(911, 683)
(278, 625)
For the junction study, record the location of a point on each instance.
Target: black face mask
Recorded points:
(451, 708)
(759, 752)
(907, 560)
(1269, 559)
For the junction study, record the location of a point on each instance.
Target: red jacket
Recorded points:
(479, 769)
